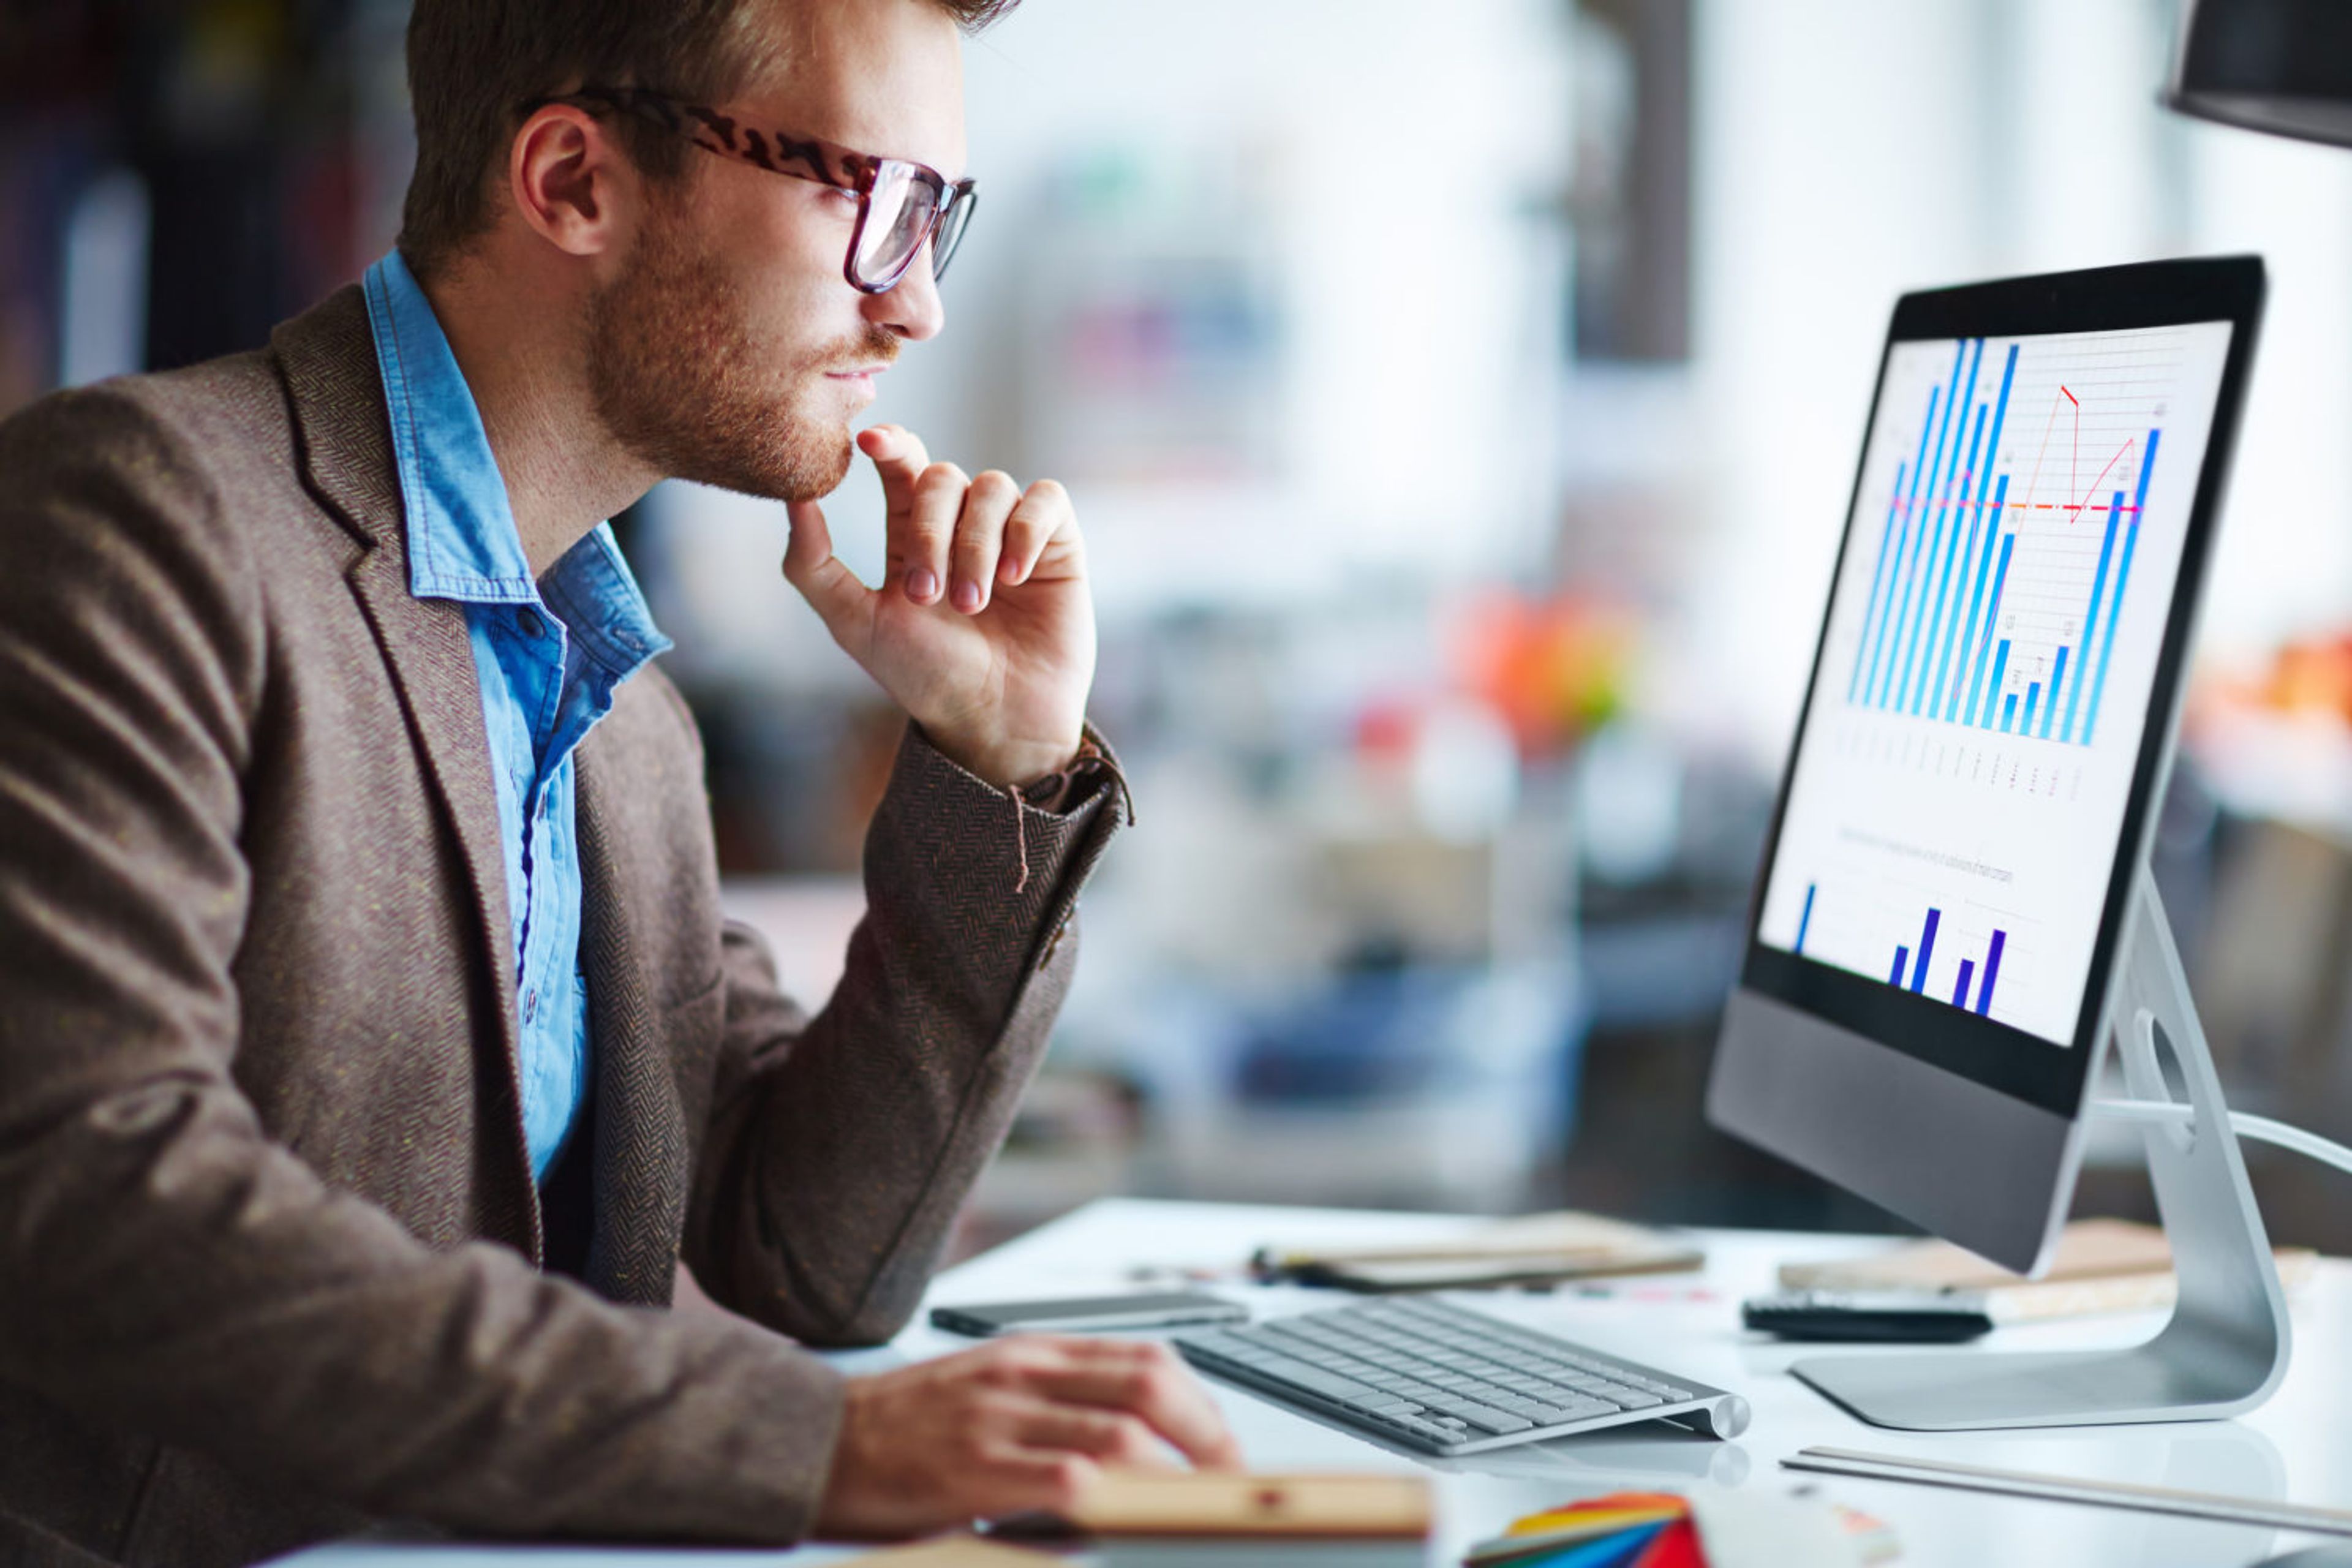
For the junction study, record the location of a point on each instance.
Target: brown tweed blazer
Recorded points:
(268, 1241)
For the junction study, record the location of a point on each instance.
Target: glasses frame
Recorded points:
(950, 201)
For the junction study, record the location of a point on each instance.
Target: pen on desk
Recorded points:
(1631, 1292)
(1188, 1273)
(1268, 1267)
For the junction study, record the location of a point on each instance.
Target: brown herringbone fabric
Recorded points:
(268, 1234)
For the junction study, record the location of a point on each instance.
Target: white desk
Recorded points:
(2297, 1447)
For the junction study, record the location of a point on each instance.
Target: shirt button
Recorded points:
(527, 619)
(531, 1006)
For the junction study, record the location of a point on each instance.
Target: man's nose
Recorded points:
(910, 308)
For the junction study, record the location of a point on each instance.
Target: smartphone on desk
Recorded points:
(1910, 1317)
(1084, 1314)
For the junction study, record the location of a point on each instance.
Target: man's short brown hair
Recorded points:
(472, 64)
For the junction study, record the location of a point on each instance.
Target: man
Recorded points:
(371, 1049)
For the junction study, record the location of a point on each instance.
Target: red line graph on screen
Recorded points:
(2073, 509)
(2075, 512)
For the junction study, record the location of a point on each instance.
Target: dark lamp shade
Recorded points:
(2281, 65)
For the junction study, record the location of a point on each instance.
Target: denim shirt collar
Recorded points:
(462, 540)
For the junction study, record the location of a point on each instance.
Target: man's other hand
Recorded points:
(1018, 1425)
(984, 630)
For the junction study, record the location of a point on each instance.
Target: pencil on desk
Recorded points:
(2070, 1488)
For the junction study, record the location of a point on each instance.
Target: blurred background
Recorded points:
(1461, 402)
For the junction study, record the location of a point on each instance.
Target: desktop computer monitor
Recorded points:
(1932, 951)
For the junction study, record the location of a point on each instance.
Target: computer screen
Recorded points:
(1956, 863)
(1954, 813)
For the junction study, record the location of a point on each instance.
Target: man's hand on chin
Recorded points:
(984, 630)
(1017, 1426)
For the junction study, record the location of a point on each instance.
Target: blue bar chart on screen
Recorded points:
(2017, 535)
(1953, 598)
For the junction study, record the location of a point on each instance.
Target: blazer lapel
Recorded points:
(640, 1157)
(432, 657)
(327, 357)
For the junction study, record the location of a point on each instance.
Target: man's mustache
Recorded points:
(876, 348)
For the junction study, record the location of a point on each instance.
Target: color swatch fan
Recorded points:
(1623, 1530)
(1715, 1527)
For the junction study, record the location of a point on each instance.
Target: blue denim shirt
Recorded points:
(549, 655)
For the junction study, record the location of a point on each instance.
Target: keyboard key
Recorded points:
(1315, 1379)
(1213, 1341)
(1631, 1398)
(1565, 1366)
(1421, 1428)
(1573, 1410)
(1553, 1394)
(1483, 1415)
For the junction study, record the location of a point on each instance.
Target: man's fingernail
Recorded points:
(967, 597)
(921, 584)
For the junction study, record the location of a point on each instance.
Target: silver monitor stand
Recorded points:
(2226, 1347)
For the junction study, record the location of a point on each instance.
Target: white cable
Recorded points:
(2309, 1144)
(2260, 1129)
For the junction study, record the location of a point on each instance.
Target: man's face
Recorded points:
(729, 348)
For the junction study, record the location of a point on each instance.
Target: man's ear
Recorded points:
(571, 180)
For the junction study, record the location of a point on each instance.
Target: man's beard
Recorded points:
(684, 387)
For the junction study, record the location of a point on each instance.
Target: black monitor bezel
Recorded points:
(2146, 294)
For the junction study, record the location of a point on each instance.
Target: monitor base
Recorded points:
(2225, 1349)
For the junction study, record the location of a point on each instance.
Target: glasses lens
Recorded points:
(950, 230)
(897, 211)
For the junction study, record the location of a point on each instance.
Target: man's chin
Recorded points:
(808, 469)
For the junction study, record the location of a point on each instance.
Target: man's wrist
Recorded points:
(1008, 766)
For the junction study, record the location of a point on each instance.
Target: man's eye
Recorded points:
(835, 197)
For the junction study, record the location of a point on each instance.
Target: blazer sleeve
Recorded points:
(166, 1268)
(840, 1149)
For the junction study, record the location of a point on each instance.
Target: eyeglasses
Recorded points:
(900, 203)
